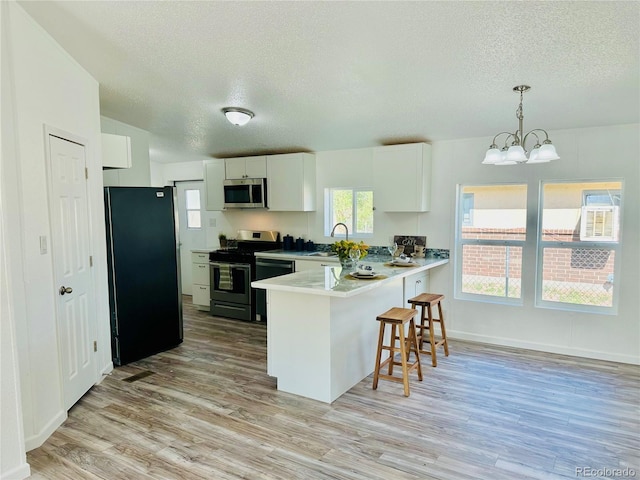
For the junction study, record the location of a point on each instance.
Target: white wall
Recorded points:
(586, 154)
(167, 173)
(49, 88)
(139, 174)
(13, 461)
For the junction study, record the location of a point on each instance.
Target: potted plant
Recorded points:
(223, 240)
(342, 248)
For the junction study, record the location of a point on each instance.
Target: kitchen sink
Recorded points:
(321, 254)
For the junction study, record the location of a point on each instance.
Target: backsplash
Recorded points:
(378, 250)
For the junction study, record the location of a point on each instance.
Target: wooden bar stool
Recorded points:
(397, 318)
(426, 301)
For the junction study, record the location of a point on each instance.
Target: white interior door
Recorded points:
(192, 231)
(72, 274)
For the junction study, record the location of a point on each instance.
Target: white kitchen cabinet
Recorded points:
(415, 285)
(116, 151)
(245, 167)
(303, 265)
(213, 184)
(200, 279)
(402, 178)
(291, 182)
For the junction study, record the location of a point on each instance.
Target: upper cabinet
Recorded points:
(116, 151)
(402, 177)
(245, 167)
(291, 182)
(214, 170)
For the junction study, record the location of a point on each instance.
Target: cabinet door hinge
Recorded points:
(86, 173)
(91, 260)
(95, 345)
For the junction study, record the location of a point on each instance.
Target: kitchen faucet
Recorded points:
(345, 228)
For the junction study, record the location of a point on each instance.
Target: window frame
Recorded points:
(615, 246)
(460, 243)
(328, 212)
(187, 209)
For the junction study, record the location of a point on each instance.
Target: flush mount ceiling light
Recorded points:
(237, 116)
(515, 153)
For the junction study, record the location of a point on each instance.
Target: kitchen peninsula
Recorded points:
(322, 331)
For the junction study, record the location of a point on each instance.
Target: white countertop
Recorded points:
(332, 281)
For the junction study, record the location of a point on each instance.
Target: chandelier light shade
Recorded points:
(237, 116)
(514, 151)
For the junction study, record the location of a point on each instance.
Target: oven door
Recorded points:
(231, 282)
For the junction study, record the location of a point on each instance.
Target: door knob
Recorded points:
(64, 290)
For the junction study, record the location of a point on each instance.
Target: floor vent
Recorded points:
(137, 376)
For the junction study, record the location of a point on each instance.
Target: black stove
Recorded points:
(244, 252)
(233, 270)
(232, 255)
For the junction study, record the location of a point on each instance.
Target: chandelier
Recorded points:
(515, 152)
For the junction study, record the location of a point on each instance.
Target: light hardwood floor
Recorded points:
(207, 410)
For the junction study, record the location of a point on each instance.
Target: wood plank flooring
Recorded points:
(207, 410)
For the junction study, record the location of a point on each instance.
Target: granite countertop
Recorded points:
(333, 281)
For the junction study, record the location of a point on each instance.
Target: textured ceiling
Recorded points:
(332, 75)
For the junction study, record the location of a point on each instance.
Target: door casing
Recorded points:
(74, 382)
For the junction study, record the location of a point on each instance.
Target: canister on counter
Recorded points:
(299, 244)
(287, 242)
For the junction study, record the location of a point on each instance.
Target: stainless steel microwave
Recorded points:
(245, 193)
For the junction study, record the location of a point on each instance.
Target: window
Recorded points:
(490, 237)
(351, 206)
(192, 201)
(578, 245)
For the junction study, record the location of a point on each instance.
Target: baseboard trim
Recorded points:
(18, 473)
(105, 371)
(39, 438)
(541, 347)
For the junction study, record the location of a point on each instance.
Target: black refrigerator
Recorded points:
(144, 275)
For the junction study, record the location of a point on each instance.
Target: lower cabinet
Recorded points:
(415, 285)
(200, 279)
